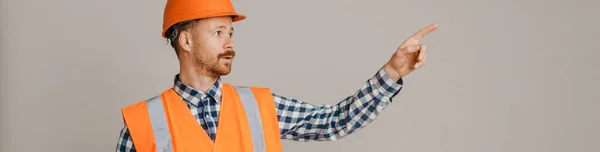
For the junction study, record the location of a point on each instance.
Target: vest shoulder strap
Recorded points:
(147, 125)
(254, 117)
(263, 97)
(160, 127)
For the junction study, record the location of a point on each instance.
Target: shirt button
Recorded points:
(207, 116)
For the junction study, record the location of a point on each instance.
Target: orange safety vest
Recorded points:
(247, 123)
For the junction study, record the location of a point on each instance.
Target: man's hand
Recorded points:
(410, 55)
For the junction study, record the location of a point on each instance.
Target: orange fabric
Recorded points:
(137, 120)
(186, 134)
(181, 10)
(268, 115)
(233, 124)
(233, 132)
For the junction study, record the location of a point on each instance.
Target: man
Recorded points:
(201, 113)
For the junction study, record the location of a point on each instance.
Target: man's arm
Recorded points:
(125, 144)
(302, 121)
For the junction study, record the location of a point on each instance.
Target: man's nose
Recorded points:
(229, 44)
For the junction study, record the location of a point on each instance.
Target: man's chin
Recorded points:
(223, 71)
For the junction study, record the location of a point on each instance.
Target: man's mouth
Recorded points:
(227, 55)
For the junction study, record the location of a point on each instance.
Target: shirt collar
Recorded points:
(194, 96)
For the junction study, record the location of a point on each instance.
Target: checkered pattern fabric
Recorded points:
(298, 120)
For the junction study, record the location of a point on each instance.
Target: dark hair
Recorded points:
(173, 32)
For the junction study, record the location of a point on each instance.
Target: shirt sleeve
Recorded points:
(125, 144)
(302, 121)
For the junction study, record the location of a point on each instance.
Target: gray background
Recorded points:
(502, 75)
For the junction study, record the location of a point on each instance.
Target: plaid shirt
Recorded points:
(298, 120)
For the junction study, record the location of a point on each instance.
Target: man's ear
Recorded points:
(185, 41)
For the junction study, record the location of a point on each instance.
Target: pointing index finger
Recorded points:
(419, 35)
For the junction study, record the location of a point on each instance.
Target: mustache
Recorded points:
(227, 53)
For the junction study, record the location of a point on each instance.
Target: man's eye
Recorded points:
(218, 32)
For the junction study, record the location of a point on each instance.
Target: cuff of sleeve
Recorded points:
(387, 86)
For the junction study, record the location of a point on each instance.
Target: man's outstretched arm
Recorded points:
(303, 121)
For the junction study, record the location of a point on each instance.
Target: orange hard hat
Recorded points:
(182, 10)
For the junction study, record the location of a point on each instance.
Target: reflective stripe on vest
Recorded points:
(253, 115)
(162, 136)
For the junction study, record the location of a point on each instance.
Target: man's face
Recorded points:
(212, 46)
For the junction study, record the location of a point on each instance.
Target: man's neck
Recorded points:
(196, 78)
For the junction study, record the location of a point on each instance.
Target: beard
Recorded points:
(212, 64)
